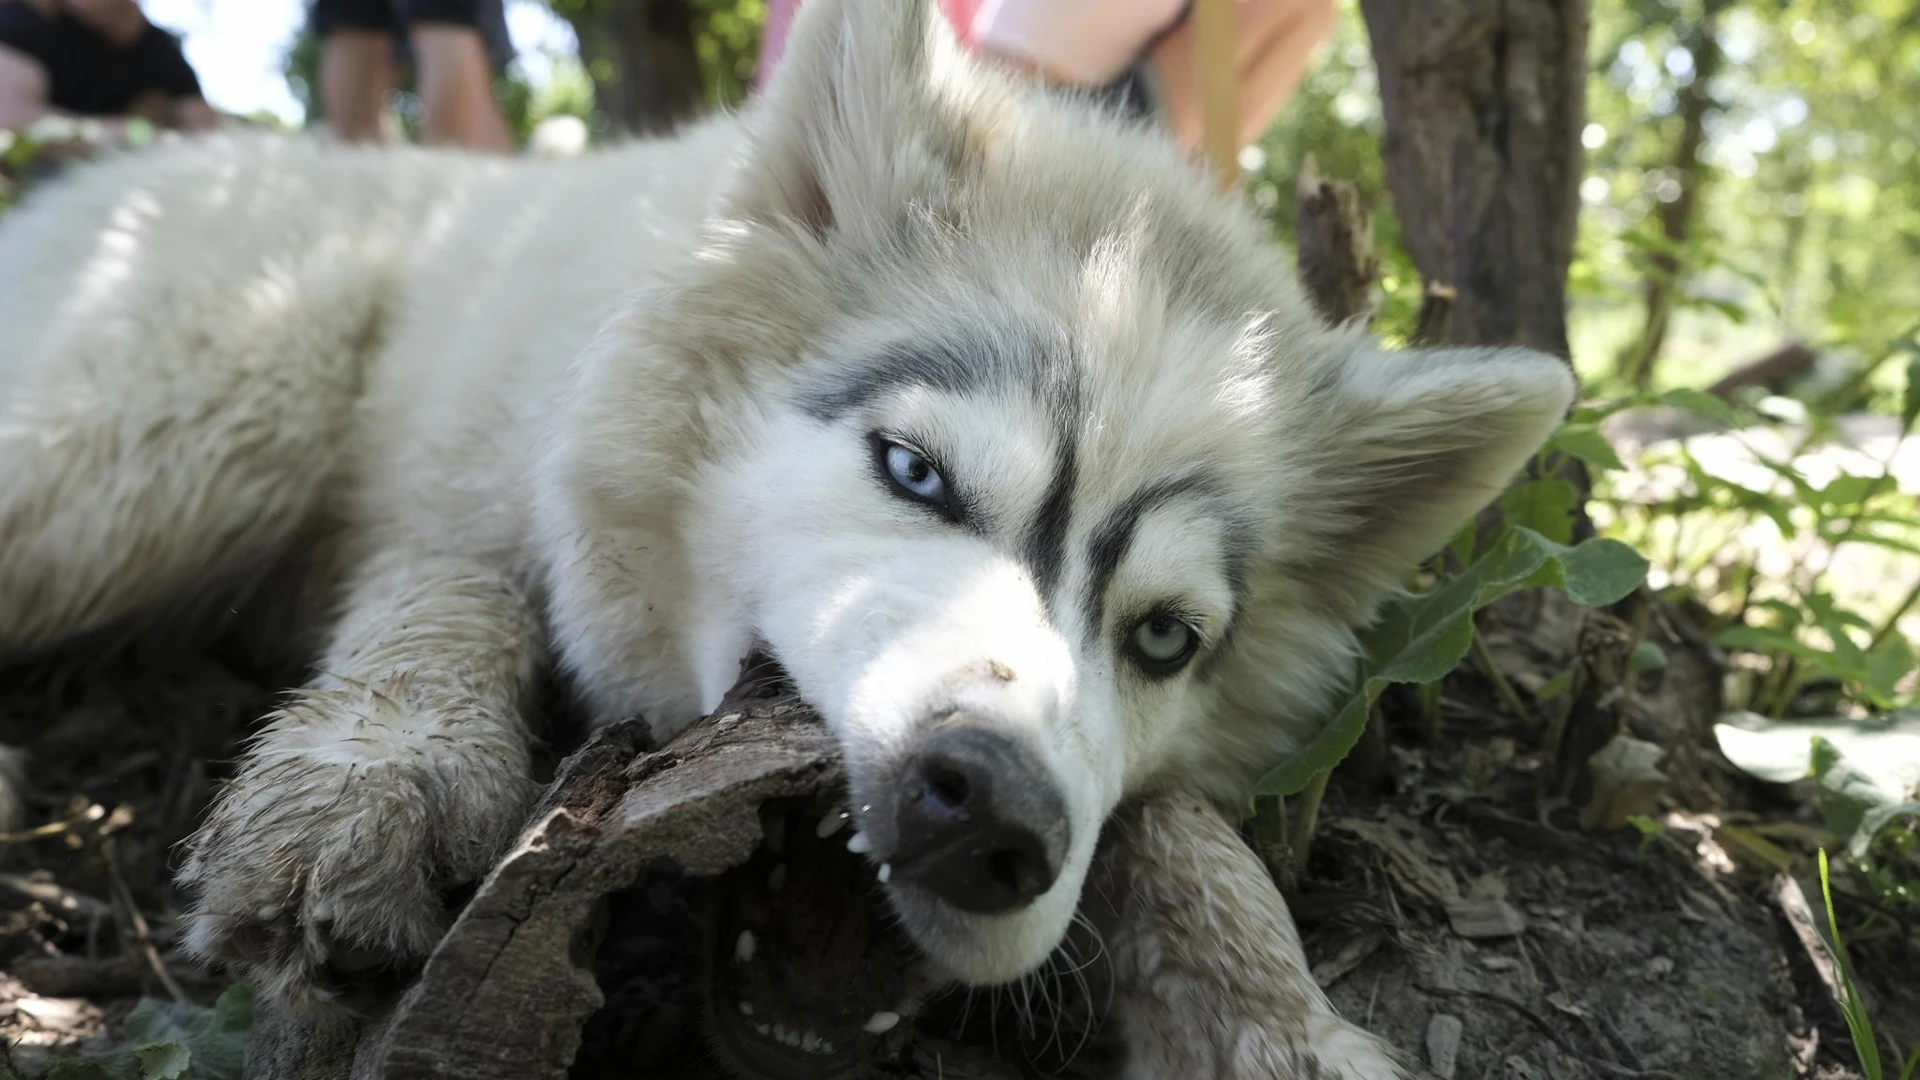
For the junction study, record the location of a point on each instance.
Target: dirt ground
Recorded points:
(1444, 903)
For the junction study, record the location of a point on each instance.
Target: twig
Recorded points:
(93, 812)
(141, 932)
(1484, 657)
(1304, 822)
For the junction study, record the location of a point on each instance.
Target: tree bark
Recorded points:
(641, 55)
(1676, 216)
(1484, 101)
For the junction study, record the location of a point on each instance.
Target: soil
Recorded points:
(1445, 902)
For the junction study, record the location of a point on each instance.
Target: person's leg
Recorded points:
(356, 72)
(455, 76)
(1274, 42)
(356, 65)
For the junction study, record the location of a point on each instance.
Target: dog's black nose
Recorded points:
(978, 821)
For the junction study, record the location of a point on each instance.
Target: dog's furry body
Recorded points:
(644, 409)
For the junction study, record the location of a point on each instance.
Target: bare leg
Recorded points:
(1208, 974)
(456, 89)
(356, 73)
(399, 773)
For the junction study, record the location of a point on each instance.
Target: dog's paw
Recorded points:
(324, 872)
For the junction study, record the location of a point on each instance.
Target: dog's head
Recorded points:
(1059, 492)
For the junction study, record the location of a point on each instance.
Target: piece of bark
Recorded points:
(1335, 240)
(506, 994)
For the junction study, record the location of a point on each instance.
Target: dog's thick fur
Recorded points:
(637, 411)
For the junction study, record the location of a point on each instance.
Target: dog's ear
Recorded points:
(865, 110)
(1422, 440)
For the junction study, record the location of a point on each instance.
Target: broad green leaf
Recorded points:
(1910, 406)
(165, 1061)
(1847, 490)
(1864, 769)
(1545, 506)
(1597, 572)
(1699, 401)
(1585, 442)
(1887, 664)
(1646, 657)
(1878, 818)
(1420, 638)
(1765, 639)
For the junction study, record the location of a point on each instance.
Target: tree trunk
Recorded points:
(1676, 215)
(642, 58)
(1484, 102)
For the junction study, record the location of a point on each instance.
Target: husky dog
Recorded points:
(1013, 441)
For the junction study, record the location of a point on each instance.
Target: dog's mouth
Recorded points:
(809, 977)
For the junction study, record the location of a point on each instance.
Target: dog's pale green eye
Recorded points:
(1161, 643)
(915, 475)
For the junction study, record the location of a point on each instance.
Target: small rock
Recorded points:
(1627, 782)
(1485, 919)
(1443, 1044)
(1485, 913)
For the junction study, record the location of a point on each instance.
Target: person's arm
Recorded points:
(25, 90)
(194, 114)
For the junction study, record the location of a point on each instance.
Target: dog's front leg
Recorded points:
(1209, 978)
(400, 772)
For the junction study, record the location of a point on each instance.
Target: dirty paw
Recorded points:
(324, 873)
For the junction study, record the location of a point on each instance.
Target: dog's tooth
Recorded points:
(826, 1047)
(764, 1030)
(811, 1043)
(858, 843)
(882, 1022)
(267, 912)
(832, 823)
(777, 877)
(743, 948)
(746, 1007)
(886, 872)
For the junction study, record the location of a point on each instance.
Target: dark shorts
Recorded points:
(487, 16)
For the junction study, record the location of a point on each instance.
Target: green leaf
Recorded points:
(1646, 657)
(1699, 401)
(1545, 506)
(1844, 793)
(1585, 442)
(1910, 406)
(1597, 572)
(165, 1061)
(1848, 490)
(1420, 638)
(1887, 664)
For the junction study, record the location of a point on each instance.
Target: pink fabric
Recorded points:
(773, 37)
(1083, 42)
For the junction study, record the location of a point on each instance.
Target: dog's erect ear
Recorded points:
(864, 110)
(1423, 439)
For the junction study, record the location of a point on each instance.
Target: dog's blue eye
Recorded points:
(1161, 643)
(912, 473)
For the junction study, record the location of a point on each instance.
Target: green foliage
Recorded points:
(171, 1041)
(1865, 1044)
(1421, 638)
